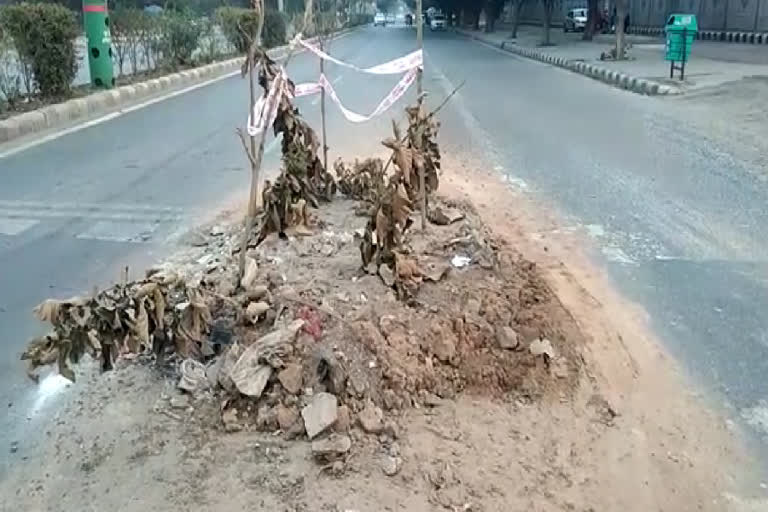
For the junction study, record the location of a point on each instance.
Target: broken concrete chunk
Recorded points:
(248, 372)
(320, 414)
(542, 347)
(249, 276)
(257, 292)
(391, 465)
(444, 216)
(506, 337)
(251, 381)
(435, 271)
(342, 420)
(387, 275)
(334, 445)
(192, 376)
(179, 402)
(255, 310)
(286, 417)
(371, 419)
(291, 378)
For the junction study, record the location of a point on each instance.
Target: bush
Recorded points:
(180, 36)
(240, 26)
(44, 35)
(235, 23)
(125, 24)
(274, 29)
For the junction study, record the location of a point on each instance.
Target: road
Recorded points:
(676, 212)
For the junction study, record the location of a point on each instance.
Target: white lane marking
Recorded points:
(122, 232)
(132, 108)
(47, 205)
(86, 214)
(13, 227)
(113, 115)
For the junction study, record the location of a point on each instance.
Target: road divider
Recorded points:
(601, 73)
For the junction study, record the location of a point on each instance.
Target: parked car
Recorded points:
(380, 19)
(575, 20)
(437, 22)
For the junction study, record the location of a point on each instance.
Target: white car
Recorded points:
(575, 20)
(437, 22)
(380, 19)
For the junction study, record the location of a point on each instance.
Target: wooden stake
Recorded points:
(256, 151)
(322, 109)
(419, 91)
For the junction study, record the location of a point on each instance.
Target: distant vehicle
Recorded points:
(437, 22)
(380, 19)
(390, 18)
(575, 20)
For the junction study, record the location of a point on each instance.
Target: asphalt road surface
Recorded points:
(676, 211)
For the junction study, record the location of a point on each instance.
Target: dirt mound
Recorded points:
(470, 327)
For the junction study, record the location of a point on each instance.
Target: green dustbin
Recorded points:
(681, 31)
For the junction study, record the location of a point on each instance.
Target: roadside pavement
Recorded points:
(712, 63)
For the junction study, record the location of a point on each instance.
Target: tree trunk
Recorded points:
(621, 12)
(516, 23)
(489, 18)
(592, 17)
(548, 5)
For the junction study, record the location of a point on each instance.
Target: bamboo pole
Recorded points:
(322, 109)
(256, 150)
(419, 91)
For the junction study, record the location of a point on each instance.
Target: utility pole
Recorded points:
(419, 91)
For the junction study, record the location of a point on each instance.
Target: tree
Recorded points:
(518, 7)
(549, 6)
(385, 5)
(593, 15)
(621, 13)
(493, 10)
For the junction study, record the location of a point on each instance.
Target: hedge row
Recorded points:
(43, 37)
(38, 54)
(240, 25)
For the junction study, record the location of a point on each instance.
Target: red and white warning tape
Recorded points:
(393, 67)
(265, 109)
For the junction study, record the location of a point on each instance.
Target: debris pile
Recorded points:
(158, 313)
(308, 343)
(363, 181)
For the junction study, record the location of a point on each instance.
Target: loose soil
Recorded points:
(604, 423)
